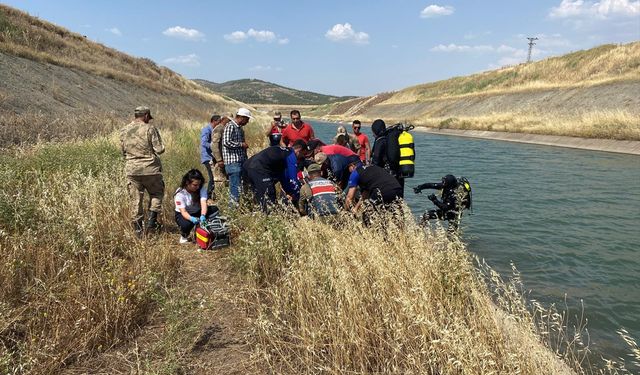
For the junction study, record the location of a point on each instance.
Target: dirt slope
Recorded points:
(561, 101)
(30, 87)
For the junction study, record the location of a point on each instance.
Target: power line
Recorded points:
(531, 44)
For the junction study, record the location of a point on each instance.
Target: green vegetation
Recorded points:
(255, 91)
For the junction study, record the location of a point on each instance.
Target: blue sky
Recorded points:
(342, 47)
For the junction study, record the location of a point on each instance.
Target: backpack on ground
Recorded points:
(213, 233)
(401, 150)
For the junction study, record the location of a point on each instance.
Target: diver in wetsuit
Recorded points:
(456, 196)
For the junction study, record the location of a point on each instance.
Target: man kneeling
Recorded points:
(319, 197)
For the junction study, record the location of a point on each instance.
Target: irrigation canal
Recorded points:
(568, 219)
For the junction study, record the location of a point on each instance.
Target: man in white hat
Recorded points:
(234, 152)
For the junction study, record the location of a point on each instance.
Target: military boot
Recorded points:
(152, 224)
(138, 228)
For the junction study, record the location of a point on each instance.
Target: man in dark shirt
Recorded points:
(271, 165)
(376, 184)
(379, 155)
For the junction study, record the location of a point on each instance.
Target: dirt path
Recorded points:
(203, 327)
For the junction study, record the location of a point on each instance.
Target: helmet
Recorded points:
(450, 181)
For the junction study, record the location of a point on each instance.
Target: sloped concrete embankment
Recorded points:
(559, 101)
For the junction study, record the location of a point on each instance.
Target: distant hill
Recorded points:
(591, 93)
(256, 91)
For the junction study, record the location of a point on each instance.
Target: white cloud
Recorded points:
(505, 49)
(262, 36)
(436, 11)
(598, 9)
(184, 33)
(264, 68)
(461, 48)
(187, 60)
(260, 68)
(236, 37)
(115, 31)
(344, 33)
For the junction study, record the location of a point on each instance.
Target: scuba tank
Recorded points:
(466, 189)
(400, 150)
(407, 152)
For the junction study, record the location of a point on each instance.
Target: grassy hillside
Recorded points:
(39, 40)
(255, 91)
(51, 78)
(591, 93)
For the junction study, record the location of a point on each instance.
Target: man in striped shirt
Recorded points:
(234, 152)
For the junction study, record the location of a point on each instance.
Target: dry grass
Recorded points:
(606, 63)
(396, 300)
(618, 125)
(35, 39)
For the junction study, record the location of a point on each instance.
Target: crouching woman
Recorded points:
(191, 203)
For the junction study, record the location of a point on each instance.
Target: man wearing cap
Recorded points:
(206, 152)
(349, 140)
(141, 144)
(274, 133)
(234, 152)
(296, 130)
(318, 197)
(272, 165)
(336, 166)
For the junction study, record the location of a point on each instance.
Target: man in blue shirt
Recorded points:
(206, 154)
(271, 165)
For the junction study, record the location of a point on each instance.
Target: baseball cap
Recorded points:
(313, 167)
(244, 112)
(313, 144)
(277, 114)
(142, 110)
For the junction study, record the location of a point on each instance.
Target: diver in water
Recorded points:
(455, 197)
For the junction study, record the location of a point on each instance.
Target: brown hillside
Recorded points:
(593, 93)
(52, 79)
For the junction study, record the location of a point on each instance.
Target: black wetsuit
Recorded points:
(269, 166)
(379, 152)
(447, 206)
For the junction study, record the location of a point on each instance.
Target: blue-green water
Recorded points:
(568, 219)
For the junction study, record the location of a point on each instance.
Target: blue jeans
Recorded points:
(234, 171)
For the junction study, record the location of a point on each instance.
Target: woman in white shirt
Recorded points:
(190, 201)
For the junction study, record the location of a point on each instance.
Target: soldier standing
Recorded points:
(141, 144)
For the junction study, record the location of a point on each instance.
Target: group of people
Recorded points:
(295, 170)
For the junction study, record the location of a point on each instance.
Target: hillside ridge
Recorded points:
(256, 91)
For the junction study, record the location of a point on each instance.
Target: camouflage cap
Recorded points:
(142, 110)
(314, 168)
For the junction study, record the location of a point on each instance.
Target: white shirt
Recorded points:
(184, 199)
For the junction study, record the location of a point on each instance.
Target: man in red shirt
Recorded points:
(296, 130)
(365, 148)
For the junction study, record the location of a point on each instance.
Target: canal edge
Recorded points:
(605, 145)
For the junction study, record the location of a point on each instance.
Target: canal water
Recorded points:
(568, 219)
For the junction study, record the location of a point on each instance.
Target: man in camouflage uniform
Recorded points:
(141, 144)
